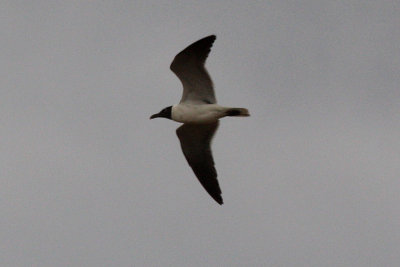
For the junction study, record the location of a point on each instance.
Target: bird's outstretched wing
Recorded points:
(188, 65)
(195, 142)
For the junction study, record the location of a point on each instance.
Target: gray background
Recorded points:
(310, 179)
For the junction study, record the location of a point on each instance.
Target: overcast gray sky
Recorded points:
(310, 179)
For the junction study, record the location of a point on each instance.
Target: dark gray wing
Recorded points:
(195, 143)
(188, 65)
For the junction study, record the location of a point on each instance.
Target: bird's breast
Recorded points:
(187, 113)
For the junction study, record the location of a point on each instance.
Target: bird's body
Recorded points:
(199, 112)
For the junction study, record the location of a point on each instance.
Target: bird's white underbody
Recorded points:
(198, 114)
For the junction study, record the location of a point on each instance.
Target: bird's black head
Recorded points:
(165, 113)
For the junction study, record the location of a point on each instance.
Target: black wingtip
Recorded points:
(212, 37)
(219, 200)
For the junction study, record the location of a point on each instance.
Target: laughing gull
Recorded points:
(199, 113)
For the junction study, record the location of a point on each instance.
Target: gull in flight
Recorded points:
(199, 112)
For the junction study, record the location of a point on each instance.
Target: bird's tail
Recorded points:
(237, 112)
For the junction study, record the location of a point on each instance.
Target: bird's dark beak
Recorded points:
(155, 116)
